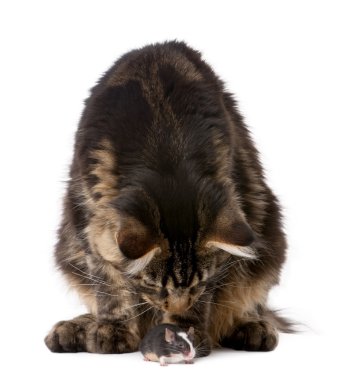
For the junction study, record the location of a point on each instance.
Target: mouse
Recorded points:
(167, 343)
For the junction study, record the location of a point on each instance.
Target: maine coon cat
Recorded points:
(167, 215)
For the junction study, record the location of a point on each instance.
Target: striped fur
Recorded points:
(167, 216)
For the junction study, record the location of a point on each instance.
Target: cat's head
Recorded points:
(176, 239)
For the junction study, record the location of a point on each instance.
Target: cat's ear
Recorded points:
(235, 238)
(169, 335)
(135, 240)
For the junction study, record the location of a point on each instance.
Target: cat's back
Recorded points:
(157, 106)
(158, 68)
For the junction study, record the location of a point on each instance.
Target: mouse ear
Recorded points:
(191, 334)
(169, 335)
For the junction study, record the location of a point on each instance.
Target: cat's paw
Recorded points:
(111, 338)
(85, 334)
(66, 336)
(253, 336)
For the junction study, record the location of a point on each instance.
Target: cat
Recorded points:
(167, 215)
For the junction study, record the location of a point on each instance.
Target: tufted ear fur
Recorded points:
(134, 239)
(235, 238)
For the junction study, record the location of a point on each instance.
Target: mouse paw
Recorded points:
(162, 361)
(146, 359)
(189, 361)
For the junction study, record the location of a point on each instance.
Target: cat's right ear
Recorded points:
(235, 238)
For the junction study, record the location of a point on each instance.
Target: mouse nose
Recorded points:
(189, 355)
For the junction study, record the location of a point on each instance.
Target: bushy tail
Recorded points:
(283, 324)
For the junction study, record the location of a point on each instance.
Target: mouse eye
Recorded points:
(181, 345)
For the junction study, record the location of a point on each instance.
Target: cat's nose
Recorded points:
(177, 304)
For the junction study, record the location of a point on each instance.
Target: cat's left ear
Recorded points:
(235, 238)
(135, 240)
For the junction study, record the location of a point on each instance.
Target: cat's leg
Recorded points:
(115, 329)
(119, 308)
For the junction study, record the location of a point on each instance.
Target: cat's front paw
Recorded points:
(111, 338)
(69, 336)
(253, 336)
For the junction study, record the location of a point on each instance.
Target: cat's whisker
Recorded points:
(229, 264)
(223, 271)
(107, 294)
(98, 292)
(201, 350)
(88, 274)
(136, 305)
(85, 294)
(138, 315)
(226, 284)
(215, 303)
(225, 264)
(96, 282)
(199, 344)
(114, 295)
(96, 279)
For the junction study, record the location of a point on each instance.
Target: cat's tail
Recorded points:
(283, 324)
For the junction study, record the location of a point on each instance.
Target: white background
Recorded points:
(283, 61)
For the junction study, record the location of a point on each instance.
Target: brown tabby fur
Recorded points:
(166, 192)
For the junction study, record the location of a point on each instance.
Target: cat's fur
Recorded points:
(167, 216)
